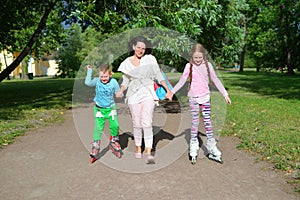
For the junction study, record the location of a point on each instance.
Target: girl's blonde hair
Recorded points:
(198, 48)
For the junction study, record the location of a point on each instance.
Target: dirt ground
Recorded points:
(53, 163)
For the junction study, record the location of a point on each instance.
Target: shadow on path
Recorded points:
(187, 136)
(159, 136)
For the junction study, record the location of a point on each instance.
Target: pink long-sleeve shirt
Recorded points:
(200, 80)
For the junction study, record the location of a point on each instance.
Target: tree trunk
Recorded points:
(4, 56)
(24, 74)
(243, 54)
(288, 42)
(29, 45)
(290, 69)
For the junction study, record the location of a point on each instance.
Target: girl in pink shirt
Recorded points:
(200, 72)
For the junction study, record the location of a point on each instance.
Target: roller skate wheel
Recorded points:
(194, 160)
(220, 160)
(93, 160)
(119, 155)
(217, 159)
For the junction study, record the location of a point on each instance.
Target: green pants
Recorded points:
(100, 116)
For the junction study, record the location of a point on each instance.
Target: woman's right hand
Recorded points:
(119, 94)
(89, 67)
(169, 95)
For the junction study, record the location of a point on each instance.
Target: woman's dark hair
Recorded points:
(142, 39)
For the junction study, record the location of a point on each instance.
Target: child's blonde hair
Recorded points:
(198, 48)
(105, 68)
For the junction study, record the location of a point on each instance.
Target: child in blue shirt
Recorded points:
(105, 108)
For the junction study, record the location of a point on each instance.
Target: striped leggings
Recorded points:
(205, 108)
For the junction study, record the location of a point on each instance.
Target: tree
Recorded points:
(273, 34)
(69, 58)
(212, 23)
(6, 41)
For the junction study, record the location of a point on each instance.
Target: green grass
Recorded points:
(265, 112)
(31, 104)
(265, 115)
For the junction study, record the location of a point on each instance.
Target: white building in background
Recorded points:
(46, 66)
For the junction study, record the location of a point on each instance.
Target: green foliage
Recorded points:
(52, 36)
(21, 20)
(216, 25)
(273, 37)
(249, 62)
(272, 26)
(70, 56)
(19, 23)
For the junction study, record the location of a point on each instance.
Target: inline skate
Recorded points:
(194, 147)
(213, 152)
(115, 146)
(95, 151)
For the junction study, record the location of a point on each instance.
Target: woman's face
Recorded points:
(197, 58)
(139, 49)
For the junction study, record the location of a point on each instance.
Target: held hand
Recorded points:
(119, 94)
(89, 67)
(228, 101)
(169, 95)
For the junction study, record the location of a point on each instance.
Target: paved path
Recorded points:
(53, 163)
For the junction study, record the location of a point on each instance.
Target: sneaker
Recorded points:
(212, 148)
(138, 155)
(150, 159)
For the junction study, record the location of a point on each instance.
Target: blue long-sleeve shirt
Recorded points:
(104, 92)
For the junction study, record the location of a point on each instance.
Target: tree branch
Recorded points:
(30, 43)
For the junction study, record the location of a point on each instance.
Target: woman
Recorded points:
(139, 71)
